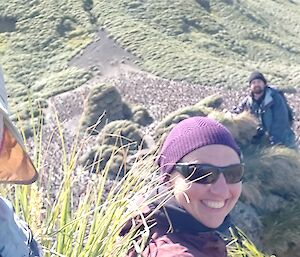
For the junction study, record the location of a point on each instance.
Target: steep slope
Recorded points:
(209, 42)
(37, 39)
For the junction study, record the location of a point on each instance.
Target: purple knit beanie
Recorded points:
(190, 134)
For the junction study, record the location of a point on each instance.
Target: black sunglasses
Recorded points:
(209, 174)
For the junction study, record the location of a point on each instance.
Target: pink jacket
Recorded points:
(189, 238)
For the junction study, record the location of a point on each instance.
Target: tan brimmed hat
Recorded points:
(15, 164)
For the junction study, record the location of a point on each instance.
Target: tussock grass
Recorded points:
(103, 101)
(212, 101)
(122, 133)
(141, 116)
(241, 246)
(118, 140)
(271, 171)
(173, 118)
(242, 126)
(283, 224)
(91, 224)
(97, 158)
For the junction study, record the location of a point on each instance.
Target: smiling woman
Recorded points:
(201, 164)
(211, 202)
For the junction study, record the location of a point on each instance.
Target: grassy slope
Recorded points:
(210, 42)
(35, 55)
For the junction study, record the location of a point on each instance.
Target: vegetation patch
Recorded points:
(104, 105)
(38, 39)
(209, 42)
(283, 224)
(122, 133)
(140, 115)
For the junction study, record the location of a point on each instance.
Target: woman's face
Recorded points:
(208, 203)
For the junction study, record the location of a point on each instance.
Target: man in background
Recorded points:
(270, 107)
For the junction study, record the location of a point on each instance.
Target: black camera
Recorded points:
(260, 132)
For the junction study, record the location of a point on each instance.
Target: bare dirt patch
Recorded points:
(105, 57)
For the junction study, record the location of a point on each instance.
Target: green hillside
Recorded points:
(206, 41)
(215, 43)
(37, 38)
(209, 42)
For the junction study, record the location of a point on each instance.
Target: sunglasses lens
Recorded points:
(204, 174)
(208, 174)
(234, 173)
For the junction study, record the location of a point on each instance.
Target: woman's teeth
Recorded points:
(214, 204)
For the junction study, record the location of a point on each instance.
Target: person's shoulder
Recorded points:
(6, 203)
(275, 91)
(23, 227)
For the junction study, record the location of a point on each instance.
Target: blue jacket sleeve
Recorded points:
(19, 227)
(280, 120)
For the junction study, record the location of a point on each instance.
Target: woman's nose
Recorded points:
(220, 187)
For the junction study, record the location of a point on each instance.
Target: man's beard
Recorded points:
(257, 90)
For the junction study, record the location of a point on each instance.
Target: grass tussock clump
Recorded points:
(272, 176)
(168, 123)
(140, 115)
(104, 104)
(242, 126)
(118, 140)
(97, 158)
(122, 133)
(213, 101)
(283, 224)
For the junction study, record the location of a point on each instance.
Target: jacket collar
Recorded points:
(181, 220)
(267, 98)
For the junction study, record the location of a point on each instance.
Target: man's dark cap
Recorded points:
(257, 75)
